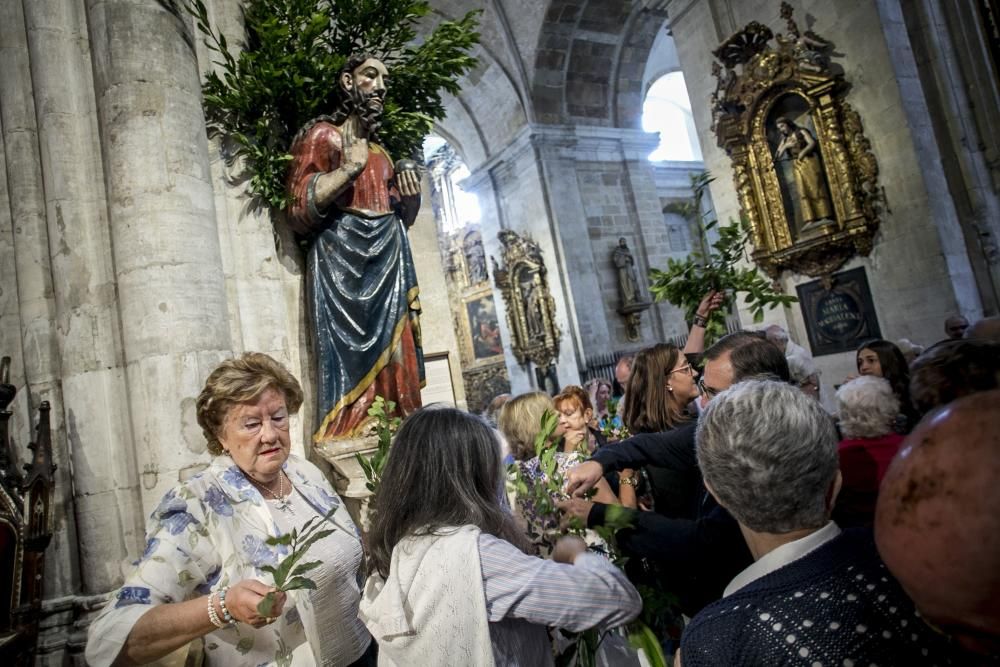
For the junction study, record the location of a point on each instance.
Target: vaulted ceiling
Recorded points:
(574, 62)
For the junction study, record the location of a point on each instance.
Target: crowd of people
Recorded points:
(780, 534)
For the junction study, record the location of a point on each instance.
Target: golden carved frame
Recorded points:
(757, 77)
(531, 310)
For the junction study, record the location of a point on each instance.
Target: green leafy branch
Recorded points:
(288, 575)
(609, 429)
(386, 426)
(284, 72)
(716, 267)
(543, 493)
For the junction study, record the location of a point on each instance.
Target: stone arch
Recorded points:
(590, 62)
(492, 105)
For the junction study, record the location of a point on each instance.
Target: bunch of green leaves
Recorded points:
(612, 427)
(288, 574)
(386, 425)
(543, 493)
(714, 266)
(284, 72)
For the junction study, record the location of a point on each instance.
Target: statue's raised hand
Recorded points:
(354, 147)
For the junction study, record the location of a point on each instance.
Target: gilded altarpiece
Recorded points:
(531, 311)
(804, 172)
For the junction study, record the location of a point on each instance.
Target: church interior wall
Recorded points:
(917, 273)
(436, 330)
(131, 261)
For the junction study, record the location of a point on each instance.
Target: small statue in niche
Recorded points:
(475, 260)
(800, 147)
(533, 307)
(628, 286)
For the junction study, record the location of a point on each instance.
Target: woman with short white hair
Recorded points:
(867, 407)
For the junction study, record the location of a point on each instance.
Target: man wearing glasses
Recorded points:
(710, 549)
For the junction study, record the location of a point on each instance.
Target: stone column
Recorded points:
(39, 347)
(109, 515)
(168, 265)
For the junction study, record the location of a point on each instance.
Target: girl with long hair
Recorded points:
(450, 586)
(881, 358)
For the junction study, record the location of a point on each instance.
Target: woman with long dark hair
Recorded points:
(445, 561)
(881, 358)
(662, 384)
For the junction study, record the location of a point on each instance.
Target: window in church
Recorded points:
(455, 207)
(667, 110)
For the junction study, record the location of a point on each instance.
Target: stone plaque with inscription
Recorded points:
(839, 313)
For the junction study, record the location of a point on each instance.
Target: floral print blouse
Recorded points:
(210, 532)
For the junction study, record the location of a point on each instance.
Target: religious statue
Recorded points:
(799, 144)
(628, 286)
(355, 208)
(475, 259)
(533, 307)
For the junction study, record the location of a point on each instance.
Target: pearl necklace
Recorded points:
(283, 503)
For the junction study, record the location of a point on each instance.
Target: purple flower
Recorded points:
(130, 595)
(328, 502)
(170, 503)
(218, 501)
(176, 522)
(257, 552)
(235, 477)
(151, 545)
(210, 580)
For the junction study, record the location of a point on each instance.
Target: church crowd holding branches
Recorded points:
(738, 524)
(700, 507)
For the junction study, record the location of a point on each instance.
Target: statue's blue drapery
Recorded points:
(362, 290)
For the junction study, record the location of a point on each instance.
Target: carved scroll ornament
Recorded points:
(804, 172)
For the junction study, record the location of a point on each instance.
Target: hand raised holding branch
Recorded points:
(243, 599)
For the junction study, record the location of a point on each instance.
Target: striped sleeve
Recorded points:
(588, 593)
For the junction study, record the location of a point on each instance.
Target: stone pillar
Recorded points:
(38, 353)
(109, 516)
(171, 289)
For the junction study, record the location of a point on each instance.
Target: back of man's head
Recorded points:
(952, 369)
(987, 328)
(769, 454)
(937, 525)
(751, 356)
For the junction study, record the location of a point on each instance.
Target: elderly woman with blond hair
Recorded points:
(519, 423)
(867, 409)
(203, 571)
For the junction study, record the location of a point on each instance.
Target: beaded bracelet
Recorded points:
(222, 605)
(212, 615)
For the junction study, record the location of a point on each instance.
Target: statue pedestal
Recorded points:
(632, 312)
(349, 478)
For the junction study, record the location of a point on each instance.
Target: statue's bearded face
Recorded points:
(366, 87)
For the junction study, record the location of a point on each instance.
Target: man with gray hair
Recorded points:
(814, 594)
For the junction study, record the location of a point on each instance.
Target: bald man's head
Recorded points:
(937, 523)
(987, 328)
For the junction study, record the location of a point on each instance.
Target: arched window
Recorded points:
(667, 110)
(458, 208)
